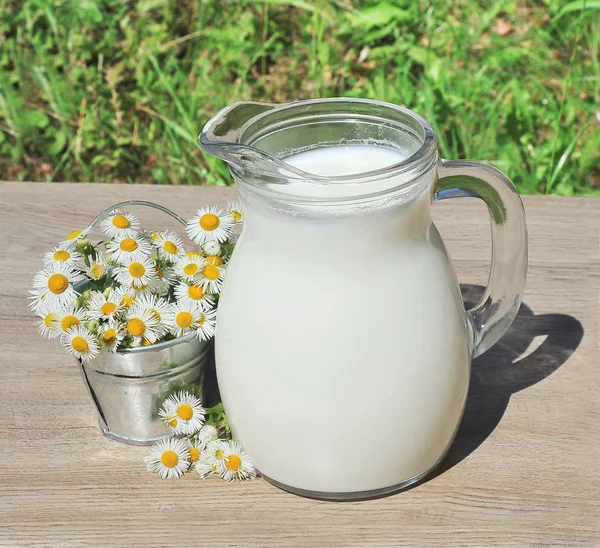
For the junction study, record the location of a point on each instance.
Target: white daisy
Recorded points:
(236, 464)
(53, 286)
(160, 309)
(212, 248)
(98, 268)
(168, 458)
(183, 413)
(206, 324)
(234, 209)
(110, 335)
(48, 319)
(183, 317)
(142, 324)
(210, 223)
(67, 318)
(206, 465)
(189, 267)
(119, 225)
(63, 254)
(80, 343)
(193, 293)
(74, 237)
(195, 447)
(163, 282)
(125, 296)
(104, 305)
(129, 248)
(211, 277)
(138, 272)
(207, 434)
(169, 245)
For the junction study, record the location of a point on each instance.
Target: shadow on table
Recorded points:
(499, 373)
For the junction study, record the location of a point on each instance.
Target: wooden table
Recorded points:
(524, 471)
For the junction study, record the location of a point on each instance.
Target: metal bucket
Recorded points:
(129, 386)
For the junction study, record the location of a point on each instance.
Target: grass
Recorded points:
(117, 90)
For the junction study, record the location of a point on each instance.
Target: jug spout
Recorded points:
(221, 137)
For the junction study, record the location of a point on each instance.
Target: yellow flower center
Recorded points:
(214, 260)
(49, 319)
(155, 236)
(173, 422)
(155, 314)
(185, 411)
(67, 322)
(159, 272)
(201, 319)
(58, 283)
(194, 454)
(62, 255)
(233, 462)
(98, 270)
(108, 308)
(74, 234)
(169, 458)
(192, 254)
(79, 344)
(137, 270)
(210, 272)
(209, 221)
(120, 221)
(127, 300)
(109, 336)
(184, 319)
(195, 292)
(219, 453)
(170, 247)
(237, 216)
(190, 269)
(136, 327)
(128, 244)
(146, 342)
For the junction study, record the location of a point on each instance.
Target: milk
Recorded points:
(342, 346)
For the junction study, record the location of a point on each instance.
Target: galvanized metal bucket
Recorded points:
(129, 386)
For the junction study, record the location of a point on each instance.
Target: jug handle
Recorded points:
(496, 310)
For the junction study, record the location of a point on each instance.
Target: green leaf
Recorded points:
(60, 140)
(37, 118)
(578, 5)
(429, 60)
(378, 16)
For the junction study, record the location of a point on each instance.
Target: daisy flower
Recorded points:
(183, 317)
(160, 309)
(48, 319)
(119, 225)
(168, 458)
(207, 434)
(212, 248)
(110, 335)
(236, 464)
(66, 318)
(137, 272)
(210, 223)
(195, 447)
(74, 236)
(129, 248)
(63, 254)
(53, 286)
(211, 277)
(142, 324)
(169, 245)
(194, 253)
(193, 293)
(205, 324)
(80, 343)
(98, 267)
(163, 282)
(189, 267)
(206, 465)
(183, 412)
(125, 296)
(234, 209)
(104, 305)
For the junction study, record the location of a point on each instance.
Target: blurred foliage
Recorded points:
(117, 90)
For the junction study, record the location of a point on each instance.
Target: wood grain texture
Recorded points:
(524, 470)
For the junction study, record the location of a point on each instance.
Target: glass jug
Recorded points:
(343, 349)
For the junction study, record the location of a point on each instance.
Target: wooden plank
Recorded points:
(524, 469)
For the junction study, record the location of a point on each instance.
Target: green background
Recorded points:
(117, 90)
